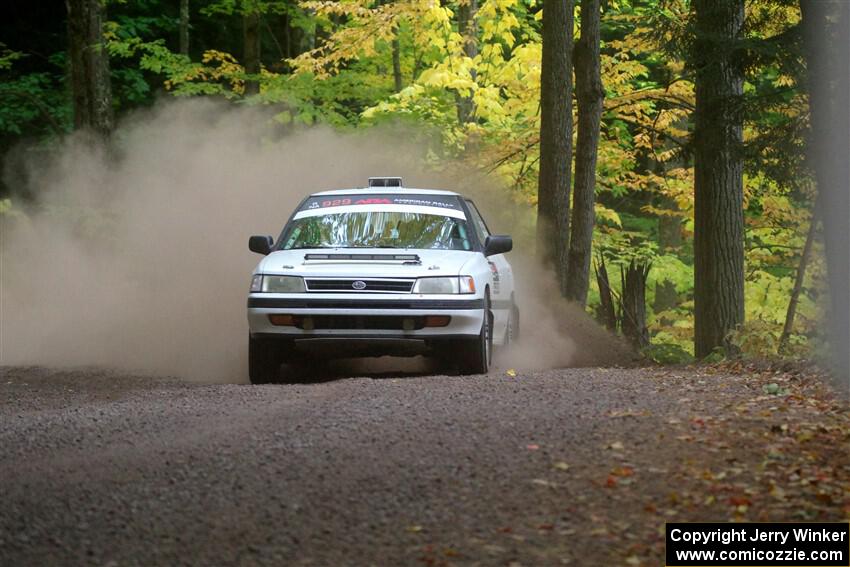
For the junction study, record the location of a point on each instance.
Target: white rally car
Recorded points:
(382, 270)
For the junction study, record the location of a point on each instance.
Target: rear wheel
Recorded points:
(263, 361)
(473, 356)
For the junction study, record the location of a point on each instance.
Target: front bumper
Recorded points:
(365, 316)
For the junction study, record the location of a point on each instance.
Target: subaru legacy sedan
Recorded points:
(381, 270)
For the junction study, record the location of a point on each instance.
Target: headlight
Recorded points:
(277, 284)
(446, 286)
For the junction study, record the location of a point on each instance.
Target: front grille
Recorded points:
(349, 285)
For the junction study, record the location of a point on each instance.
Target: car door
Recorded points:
(501, 292)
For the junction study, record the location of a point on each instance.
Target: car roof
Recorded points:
(385, 190)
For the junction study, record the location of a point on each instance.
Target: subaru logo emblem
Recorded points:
(358, 284)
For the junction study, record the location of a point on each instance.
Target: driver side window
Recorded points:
(478, 221)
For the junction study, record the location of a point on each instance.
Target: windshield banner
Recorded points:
(329, 201)
(442, 205)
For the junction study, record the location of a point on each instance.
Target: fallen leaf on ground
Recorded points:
(739, 501)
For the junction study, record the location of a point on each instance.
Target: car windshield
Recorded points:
(377, 229)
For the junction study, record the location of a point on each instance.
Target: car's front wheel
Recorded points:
(474, 355)
(263, 361)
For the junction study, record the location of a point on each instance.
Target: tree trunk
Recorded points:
(287, 35)
(184, 27)
(669, 238)
(90, 86)
(633, 304)
(605, 312)
(826, 33)
(468, 30)
(798, 281)
(589, 96)
(718, 175)
(553, 188)
(397, 79)
(251, 55)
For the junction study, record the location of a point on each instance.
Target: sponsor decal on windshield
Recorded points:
(330, 201)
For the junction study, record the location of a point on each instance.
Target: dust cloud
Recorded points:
(555, 333)
(136, 257)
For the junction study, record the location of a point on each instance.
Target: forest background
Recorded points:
(466, 77)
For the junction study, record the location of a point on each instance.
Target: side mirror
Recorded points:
(498, 244)
(260, 244)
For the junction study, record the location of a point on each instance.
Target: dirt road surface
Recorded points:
(559, 467)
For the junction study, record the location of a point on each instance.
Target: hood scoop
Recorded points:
(405, 259)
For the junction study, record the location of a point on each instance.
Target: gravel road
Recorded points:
(114, 469)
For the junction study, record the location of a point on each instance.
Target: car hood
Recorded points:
(431, 263)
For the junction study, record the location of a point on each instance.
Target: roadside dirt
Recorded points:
(556, 467)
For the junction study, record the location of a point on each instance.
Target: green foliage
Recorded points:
(32, 103)
(242, 7)
(8, 57)
(667, 353)
(331, 62)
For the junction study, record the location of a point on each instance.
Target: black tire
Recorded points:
(473, 356)
(300, 370)
(263, 361)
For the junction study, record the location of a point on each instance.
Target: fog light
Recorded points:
(283, 320)
(408, 324)
(437, 320)
(307, 324)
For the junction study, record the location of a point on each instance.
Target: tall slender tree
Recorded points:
(468, 29)
(589, 96)
(718, 174)
(184, 27)
(396, 49)
(251, 46)
(89, 67)
(826, 37)
(669, 240)
(553, 189)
